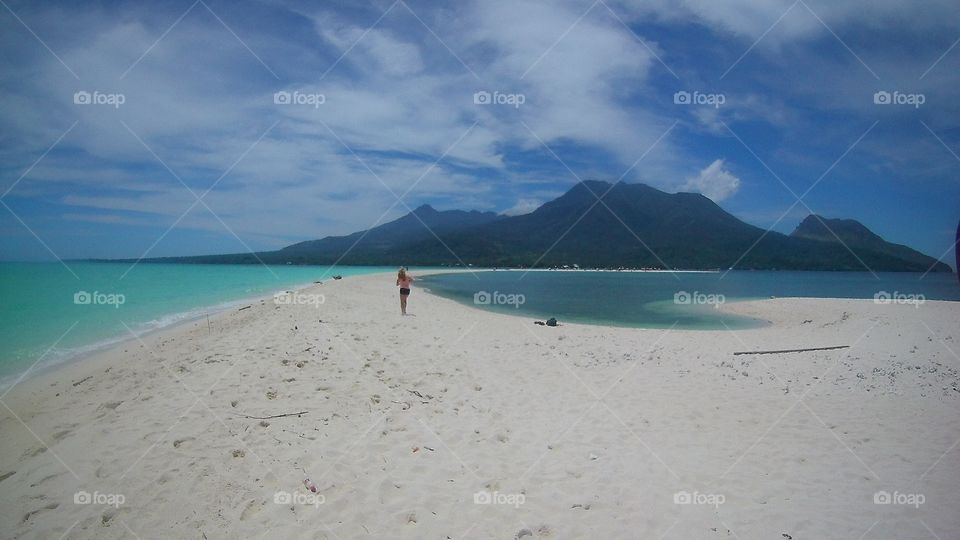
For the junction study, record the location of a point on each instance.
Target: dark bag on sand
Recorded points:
(551, 322)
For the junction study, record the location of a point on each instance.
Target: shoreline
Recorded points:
(519, 314)
(405, 421)
(103, 346)
(79, 354)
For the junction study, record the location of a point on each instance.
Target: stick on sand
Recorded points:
(794, 350)
(273, 415)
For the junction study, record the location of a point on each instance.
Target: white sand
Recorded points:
(594, 429)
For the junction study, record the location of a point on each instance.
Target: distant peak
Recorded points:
(589, 186)
(813, 218)
(817, 222)
(835, 230)
(592, 183)
(424, 209)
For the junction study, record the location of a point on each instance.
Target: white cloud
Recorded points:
(715, 182)
(398, 97)
(752, 18)
(579, 73)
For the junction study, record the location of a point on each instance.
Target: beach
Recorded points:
(462, 423)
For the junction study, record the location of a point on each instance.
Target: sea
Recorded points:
(683, 300)
(51, 313)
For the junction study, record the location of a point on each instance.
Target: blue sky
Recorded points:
(186, 147)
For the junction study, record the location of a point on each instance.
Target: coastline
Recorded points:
(408, 419)
(181, 318)
(164, 322)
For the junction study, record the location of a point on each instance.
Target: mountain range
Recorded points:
(598, 224)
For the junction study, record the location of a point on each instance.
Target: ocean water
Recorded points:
(685, 300)
(48, 316)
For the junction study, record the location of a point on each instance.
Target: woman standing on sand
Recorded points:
(403, 281)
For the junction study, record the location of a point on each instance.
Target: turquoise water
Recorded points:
(42, 323)
(662, 300)
(40, 320)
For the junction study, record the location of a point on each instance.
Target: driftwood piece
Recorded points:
(244, 307)
(273, 415)
(794, 350)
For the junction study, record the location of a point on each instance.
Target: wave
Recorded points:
(57, 357)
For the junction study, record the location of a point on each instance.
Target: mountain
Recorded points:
(598, 224)
(857, 237)
(420, 224)
(367, 247)
(635, 225)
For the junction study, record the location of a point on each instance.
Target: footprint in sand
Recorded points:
(36, 451)
(178, 442)
(166, 477)
(251, 509)
(28, 515)
(44, 479)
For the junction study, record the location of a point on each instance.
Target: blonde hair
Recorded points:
(402, 273)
